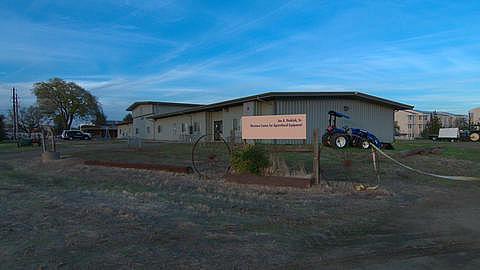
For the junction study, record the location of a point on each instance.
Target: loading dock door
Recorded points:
(217, 129)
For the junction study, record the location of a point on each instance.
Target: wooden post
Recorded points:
(316, 157)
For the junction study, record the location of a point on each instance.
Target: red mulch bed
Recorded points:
(143, 166)
(278, 181)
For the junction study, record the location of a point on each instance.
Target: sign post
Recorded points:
(283, 127)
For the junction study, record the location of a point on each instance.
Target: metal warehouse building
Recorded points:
(185, 122)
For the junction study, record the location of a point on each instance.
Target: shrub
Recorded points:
(250, 159)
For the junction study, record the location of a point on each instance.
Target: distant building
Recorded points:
(125, 130)
(411, 123)
(168, 122)
(107, 130)
(450, 120)
(474, 115)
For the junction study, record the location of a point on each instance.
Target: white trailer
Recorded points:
(452, 134)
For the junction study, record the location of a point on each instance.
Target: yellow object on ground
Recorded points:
(362, 187)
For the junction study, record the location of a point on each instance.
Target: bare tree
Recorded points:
(2, 128)
(30, 119)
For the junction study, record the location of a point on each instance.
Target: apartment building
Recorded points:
(450, 120)
(474, 115)
(410, 123)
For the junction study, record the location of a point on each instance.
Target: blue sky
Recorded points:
(424, 53)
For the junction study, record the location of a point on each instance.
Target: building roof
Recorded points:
(138, 103)
(443, 113)
(474, 109)
(415, 112)
(280, 95)
(451, 114)
(125, 123)
(107, 124)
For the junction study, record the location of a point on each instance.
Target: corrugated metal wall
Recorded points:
(376, 118)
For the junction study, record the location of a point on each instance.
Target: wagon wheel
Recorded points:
(211, 159)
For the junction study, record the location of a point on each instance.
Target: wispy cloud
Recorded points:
(186, 51)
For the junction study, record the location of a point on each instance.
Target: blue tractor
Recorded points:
(344, 137)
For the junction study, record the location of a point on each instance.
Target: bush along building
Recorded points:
(166, 121)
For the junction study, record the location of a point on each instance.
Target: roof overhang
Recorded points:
(124, 123)
(284, 95)
(138, 103)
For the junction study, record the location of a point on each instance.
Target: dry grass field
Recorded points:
(65, 215)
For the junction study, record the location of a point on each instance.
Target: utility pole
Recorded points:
(14, 114)
(17, 113)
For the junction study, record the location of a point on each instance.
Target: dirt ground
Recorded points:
(65, 215)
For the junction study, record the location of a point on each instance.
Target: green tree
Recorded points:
(2, 128)
(461, 123)
(432, 127)
(63, 102)
(128, 118)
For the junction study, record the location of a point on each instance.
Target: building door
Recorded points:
(217, 129)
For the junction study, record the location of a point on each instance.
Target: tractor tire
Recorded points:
(326, 140)
(475, 137)
(365, 144)
(339, 141)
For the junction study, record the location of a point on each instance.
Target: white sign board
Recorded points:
(292, 126)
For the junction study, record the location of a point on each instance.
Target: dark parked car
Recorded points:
(75, 135)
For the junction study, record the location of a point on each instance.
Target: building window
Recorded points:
(174, 128)
(159, 128)
(196, 127)
(136, 131)
(410, 126)
(184, 127)
(236, 127)
(410, 117)
(148, 130)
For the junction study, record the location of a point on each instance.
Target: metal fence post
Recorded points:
(316, 157)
